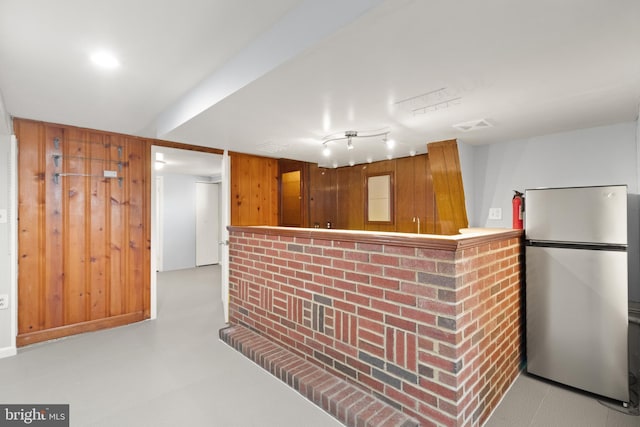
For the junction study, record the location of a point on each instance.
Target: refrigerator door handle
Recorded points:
(572, 245)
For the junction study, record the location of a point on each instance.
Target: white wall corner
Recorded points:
(638, 149)
(466, 154)
(5, 119)
(13, 240)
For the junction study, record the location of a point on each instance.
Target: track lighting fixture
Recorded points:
(350, 135)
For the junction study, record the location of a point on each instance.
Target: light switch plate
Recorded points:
(495, 213)
(3, 216)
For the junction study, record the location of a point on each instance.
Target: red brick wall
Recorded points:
(431, 328)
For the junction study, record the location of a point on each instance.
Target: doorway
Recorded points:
(184, 182)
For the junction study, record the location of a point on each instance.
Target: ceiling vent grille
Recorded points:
(271, 147)
(473, 125)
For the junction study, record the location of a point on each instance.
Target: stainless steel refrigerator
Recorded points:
(576, 287)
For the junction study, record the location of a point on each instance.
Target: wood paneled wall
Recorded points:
(337, 195)
(448, 187)
(350, 198)
(254, 190)
(84, 239)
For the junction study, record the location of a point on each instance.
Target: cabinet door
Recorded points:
(292, 176)
(415, 196)
(406, 195)
(323, 206)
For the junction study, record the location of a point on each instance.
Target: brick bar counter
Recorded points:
(430, 325)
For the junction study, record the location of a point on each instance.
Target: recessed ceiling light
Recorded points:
(105, 59)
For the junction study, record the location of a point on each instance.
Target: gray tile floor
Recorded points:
(170, 372)
(534, 402)
(174, 371)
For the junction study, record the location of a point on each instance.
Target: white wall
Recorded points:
(7, 334)
(466, 152)
(179, 221)
(7, 258)
(596, 156)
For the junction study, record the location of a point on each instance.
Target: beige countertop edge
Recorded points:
(469, 237)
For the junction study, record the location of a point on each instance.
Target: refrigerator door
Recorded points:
(577, 318)
(580, 214)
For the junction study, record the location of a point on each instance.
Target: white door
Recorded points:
(225, 220)
(159, 221)
(207, 224)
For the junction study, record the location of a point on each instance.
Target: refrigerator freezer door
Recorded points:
(577, 318)
(581, 214)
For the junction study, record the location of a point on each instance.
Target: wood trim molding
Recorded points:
(158, 142)
(78, 328)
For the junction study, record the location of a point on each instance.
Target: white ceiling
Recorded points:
(275, 77)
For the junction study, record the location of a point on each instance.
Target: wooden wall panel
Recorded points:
(337, 195)
(31, 202)
(424, 185)
(117, 247)
(84, 239)
(407, 196)
(97, 226)
(447, 183)
(76, 219)
(254, 190)
(350, 198)
(54, 248)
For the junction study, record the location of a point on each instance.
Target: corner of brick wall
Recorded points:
(435, 333)
(491, 316)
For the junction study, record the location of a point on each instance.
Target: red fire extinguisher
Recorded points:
(517, 204)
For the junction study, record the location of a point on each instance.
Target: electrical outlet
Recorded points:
(3, 216)
(495, 213)
(4, 301)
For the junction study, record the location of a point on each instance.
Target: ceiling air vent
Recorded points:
(473, 125)
(271, 147)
